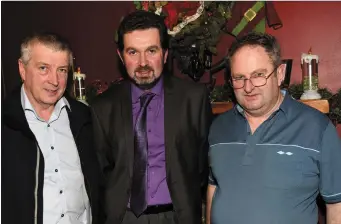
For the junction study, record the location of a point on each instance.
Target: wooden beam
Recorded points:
(321, 105)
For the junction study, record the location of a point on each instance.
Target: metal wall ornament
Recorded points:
(193, 65)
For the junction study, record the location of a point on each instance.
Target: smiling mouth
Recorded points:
(51, 91)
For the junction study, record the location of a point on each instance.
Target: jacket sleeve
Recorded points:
(101, 143)
(206, 117)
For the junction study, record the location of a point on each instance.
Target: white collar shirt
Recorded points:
(65, 200)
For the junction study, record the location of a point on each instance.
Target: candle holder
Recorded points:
(79, 86)
(309, 65)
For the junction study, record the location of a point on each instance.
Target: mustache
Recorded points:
(144, 68)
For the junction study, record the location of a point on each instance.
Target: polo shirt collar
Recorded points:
(284, 107)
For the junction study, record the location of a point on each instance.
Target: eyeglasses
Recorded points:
(257, 80)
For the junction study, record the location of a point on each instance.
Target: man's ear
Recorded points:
(281, 74)
(119, 54)
(22, 70)
(165, 57)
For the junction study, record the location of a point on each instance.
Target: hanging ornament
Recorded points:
(208, 59)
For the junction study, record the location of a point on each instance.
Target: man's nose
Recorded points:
(54, 78)
(143, 60)
(248, 86)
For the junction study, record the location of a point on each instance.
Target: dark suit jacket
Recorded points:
(187, 119)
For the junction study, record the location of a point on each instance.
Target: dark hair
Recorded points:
(268, 42)
(141, 20)
(49, 39)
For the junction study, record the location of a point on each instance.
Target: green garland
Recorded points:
(204, 32)
(224, 93)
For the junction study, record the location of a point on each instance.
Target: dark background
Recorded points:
(90, 27)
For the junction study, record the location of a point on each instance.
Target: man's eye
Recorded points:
(239, 78)
(258, 75)
(132, 52)
(43, 68)
(63, 70)
(153, 51)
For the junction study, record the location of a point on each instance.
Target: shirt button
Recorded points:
(56, 170)
(48, 125)
(52, 147)
(61, 192)
(62, 215)
(149, 130)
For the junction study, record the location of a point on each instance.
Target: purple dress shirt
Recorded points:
(158, 192)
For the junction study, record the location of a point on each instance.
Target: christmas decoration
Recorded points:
(335, 107)
(79, 86)
(195, 28)
(309, 64)
(97, 87)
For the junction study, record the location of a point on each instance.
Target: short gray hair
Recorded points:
(47, 39)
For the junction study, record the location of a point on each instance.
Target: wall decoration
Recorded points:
(195, 28)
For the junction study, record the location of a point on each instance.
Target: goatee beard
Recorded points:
(147, 86)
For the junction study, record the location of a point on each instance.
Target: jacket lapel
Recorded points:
(172, 104)
(127, 123)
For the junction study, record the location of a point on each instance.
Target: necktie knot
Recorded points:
(146, 98)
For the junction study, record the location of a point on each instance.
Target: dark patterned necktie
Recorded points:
(138, 198)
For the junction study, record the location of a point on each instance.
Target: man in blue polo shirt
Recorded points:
(270, 156)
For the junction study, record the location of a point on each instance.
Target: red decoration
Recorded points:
(178, 10)
(145, 5)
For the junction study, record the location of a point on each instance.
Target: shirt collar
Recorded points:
(136, 92)
(26, 104)
(285, 105)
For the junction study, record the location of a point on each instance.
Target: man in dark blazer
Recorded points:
(49, 170)
(151, 133)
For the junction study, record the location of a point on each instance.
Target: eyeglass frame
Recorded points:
(266, 80)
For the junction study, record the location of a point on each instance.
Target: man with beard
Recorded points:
(151, 133)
